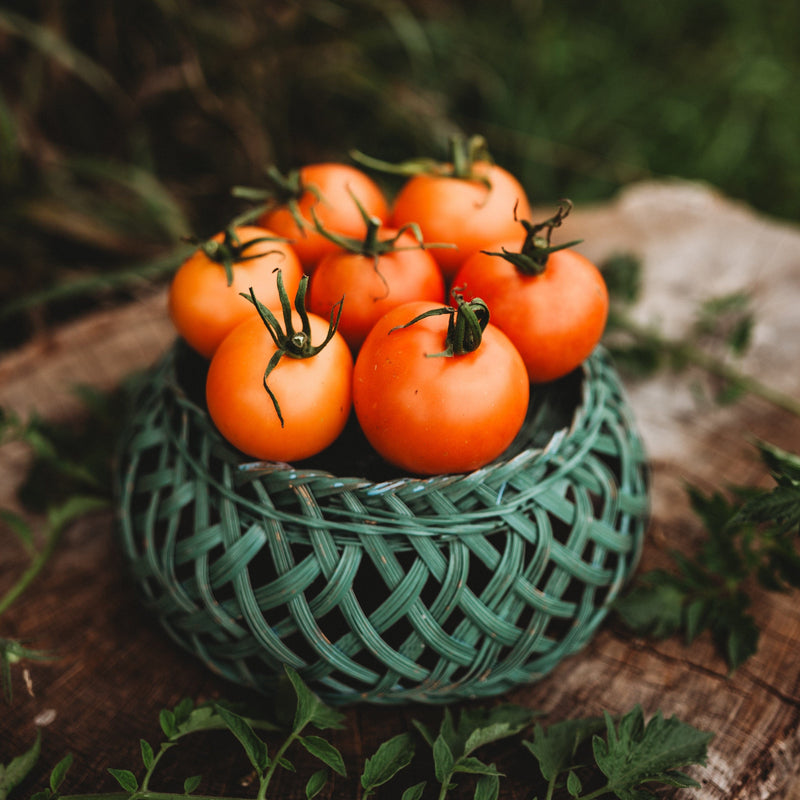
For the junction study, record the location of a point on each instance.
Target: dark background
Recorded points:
(124, 125)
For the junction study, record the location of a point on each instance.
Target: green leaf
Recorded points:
(147, 754)
(183, 710)
(392, 756)
(316, 783)
(574, 786)
(654, 606)
(556, 746)
(59, 773)
(325, 752)
(310, 709)
(634, 753)
(125, 778)
(166, 719)
(480, 727)
(424, 731)
(414, 792)
(254, 747)
(487, 788)
(190, 784)
(443, 760)
(474, 766)
(784, 466)
(18, 768)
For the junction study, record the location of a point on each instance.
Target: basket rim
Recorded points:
(251, 468)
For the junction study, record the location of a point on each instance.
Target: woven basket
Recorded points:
(392, 588)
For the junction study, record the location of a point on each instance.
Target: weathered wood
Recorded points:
(113, 670)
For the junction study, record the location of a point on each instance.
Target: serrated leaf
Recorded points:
(254, 747)
(634, 753)
(310, 709)
(125, 778)
(780, 506)
(60, 772)
(14, 773)
(147, 754)
(392, 756)
(325, 752)
(190, 784)
(556, 746)
(414, 792)
(487, 788)
(784, 466)
(316, 783)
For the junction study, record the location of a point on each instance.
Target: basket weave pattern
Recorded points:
(400, 590)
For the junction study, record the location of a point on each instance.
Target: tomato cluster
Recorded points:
(428, 317)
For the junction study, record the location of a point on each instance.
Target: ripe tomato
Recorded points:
(554, 311)
(329, 189)
(430, 413)
(204, 306)
(311, 395)
(470, 203)
(374, 277)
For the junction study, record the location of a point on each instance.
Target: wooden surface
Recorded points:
(114, 670)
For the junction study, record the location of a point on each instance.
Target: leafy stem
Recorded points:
(751, 537)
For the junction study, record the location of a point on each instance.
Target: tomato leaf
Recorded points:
(392, 756)
(634, 753)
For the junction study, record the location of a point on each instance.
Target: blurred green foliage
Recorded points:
(123, 125)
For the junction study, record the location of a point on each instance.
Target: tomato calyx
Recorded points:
(281, 190)
(288, 340)
(371, 245)
(465, 326)
(231, 250)
(464, 152)
(531, 259)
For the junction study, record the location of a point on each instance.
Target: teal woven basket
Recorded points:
(383, 588)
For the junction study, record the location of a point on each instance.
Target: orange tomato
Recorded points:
(555, 316)
(374, 281)
(330, 189)
(314, 393)
(466, 212)
(204, 307)
(429, 413)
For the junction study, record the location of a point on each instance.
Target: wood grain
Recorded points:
(113, 670)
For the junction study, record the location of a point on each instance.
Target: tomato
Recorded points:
(374, 277)
(311, 395)
(469, 203)
(555, 311)
(430, 413)
(330, 189)
(204, 306)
